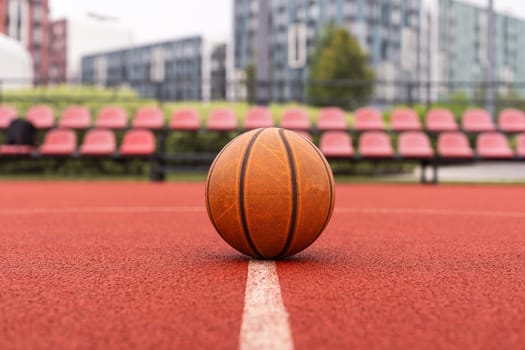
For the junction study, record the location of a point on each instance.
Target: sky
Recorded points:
(153, 20)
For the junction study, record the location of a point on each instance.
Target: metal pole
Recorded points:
(491, 48)
(262, 41)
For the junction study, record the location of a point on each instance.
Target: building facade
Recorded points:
(463, 48)
(180, 69)
(73, 38)
(397, 35)
(27, 21)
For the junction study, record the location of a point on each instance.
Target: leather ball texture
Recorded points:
(270, 193)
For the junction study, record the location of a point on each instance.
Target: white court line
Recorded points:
(196, 209)
(265, 324)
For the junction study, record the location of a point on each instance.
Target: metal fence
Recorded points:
(348, 94)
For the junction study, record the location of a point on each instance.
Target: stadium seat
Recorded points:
(7, 114)
(375, 144)
(295, 119)
(59, 142)
(368, 118)
(336, 144)
(512, 120)
(404, 119)
(440, 120)
(75, 117)
(415, 144)
(12, 150)
(42, 117)
(477, 120)
(138, 143)
(520, 146)
(185, 119)
(258, 117)
(304, 134)
(332, 119)
(148, 118)
(98, 142)
(222, 119)
(493, 145)
(112, 118)
(454, 145)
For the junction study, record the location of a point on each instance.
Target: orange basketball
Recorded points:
(270, 193)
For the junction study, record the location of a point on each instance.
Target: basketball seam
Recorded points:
(328, 173)
(208, 206)
(293, 175)
(244, 221)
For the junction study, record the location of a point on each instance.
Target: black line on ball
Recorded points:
(293, 175)
(207, 194)
(241, 195)
(328, 173)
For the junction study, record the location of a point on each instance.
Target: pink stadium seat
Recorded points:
(375, 144)
(15, 150)
(41, 117)
(336, 144)
(112, 118)
(59, 142)
(98, 142)
(440, 120)
(404, 119)
(512, 120)
(454, 145)
(332, 119)
(186, 119)
(222, 119)
(368, 118)
(258, 117)
(295, 119)
(75, 117)
(520, 146)
(477, 120)
(304, 134)
(148, 118)
(138, 143)
(7, 114)
(493, 145)
(415, 144)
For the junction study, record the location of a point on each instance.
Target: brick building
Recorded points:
(27, 21)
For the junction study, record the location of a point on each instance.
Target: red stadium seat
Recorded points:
(222, 119)
(415, 144)
(493, 145)
(7, 114)
(404, 119)
(112, 118)
(12, 150)
(41, 117)
(186, 119)
(477, 120)
(520, 146)
(59, 142)
(75, 117)
(138, 143)
(368, 118)
(258, 117)
(148, 118)
(512, 120)
(375, 144)
(304, 134)
(98, 142)
(332, 119)
(295, 119)
(454, 145)
(336, 144)
(440, 120)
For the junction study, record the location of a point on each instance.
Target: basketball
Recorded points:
(270, 193)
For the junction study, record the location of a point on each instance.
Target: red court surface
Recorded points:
(137, 265)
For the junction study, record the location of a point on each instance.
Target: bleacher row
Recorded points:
(374, 139)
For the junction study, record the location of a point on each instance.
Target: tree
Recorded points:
(339, 73)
